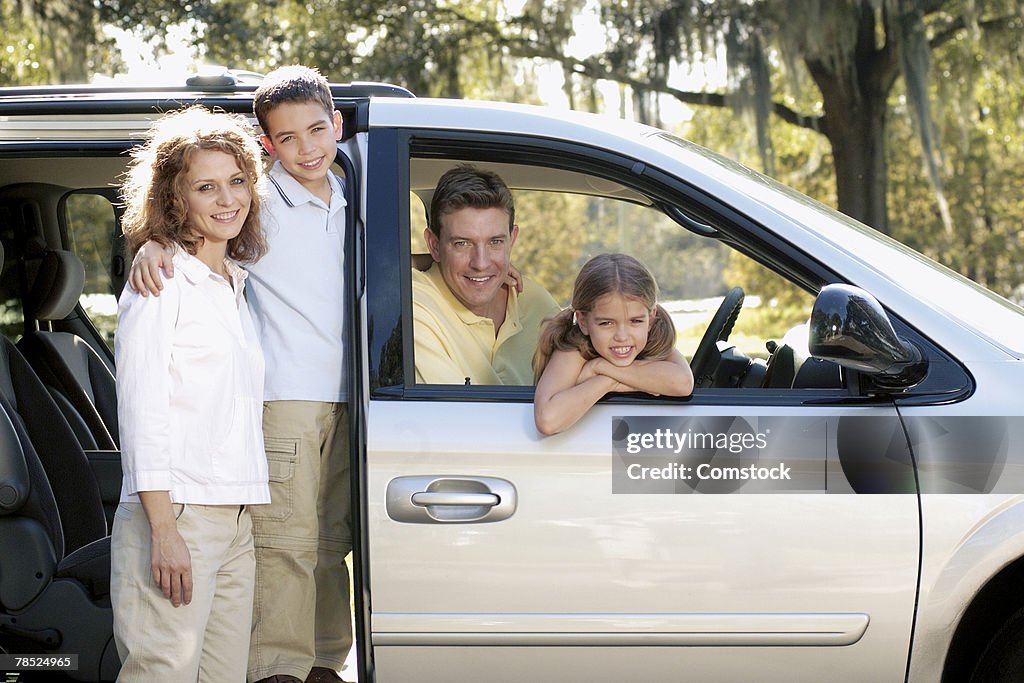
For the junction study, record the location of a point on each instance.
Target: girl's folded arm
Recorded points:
(559, 401)
(669, 377)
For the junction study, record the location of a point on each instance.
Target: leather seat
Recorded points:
(54, 545)
(80, 381)
(50, 602)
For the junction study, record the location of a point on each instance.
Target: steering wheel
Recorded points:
(704, 362)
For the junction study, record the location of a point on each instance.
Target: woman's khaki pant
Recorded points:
(206, 640)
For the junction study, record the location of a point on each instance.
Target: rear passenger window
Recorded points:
(91, 228)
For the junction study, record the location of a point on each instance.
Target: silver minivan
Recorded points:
(882, 385)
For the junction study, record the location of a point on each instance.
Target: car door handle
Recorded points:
(439, 499)
(426, 498)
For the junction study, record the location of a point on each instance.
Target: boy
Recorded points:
(301, 619)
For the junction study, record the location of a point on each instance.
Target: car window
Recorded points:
(91, 226)
(560, 230)
(11, 315)
(963, 299)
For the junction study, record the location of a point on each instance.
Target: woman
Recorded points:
(190, 391)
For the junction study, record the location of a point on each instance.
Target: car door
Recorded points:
(495, 553)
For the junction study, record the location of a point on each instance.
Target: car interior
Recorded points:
(60, 468)
(55, 545)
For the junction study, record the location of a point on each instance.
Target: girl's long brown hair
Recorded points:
(601, 275)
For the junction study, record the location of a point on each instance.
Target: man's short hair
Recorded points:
(466, 186)
(296, 84)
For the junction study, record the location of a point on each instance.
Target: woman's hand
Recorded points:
(170, 560)
(172, 565)
(514, 279)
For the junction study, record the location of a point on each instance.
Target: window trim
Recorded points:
(739, 231)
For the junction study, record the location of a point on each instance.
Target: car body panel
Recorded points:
(474, 628)
(579, 565)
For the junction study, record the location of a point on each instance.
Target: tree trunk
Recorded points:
(856, 131)
(855, 82)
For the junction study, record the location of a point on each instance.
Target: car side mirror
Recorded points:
(849, 327)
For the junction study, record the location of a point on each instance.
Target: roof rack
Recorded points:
(209, 79)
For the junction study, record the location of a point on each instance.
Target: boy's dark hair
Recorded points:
(466, 186)
(291, 84)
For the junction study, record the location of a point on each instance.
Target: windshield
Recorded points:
(961, 298)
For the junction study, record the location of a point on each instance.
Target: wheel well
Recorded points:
(996, 602)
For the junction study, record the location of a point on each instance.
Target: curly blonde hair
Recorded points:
(154, 189)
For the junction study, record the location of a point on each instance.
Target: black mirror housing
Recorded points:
(849, 327)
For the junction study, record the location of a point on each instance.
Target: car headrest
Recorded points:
(57, 285)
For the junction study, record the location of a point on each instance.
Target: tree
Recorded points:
(852, 51)
(52, 41)
(979, 98)
(433, 49)
(856, 74)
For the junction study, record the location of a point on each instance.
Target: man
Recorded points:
(470, 326)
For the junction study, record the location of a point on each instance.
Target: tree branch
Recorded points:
(592, 68)
(958, 24)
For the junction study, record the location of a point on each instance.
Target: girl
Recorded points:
(614, 337)
(190, 392)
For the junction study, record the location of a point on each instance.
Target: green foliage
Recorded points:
(52, 41)
(956, 64)
(20, 58)
(434, 49)
(979, 98)
(553, 229)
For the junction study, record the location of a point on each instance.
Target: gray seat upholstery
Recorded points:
(50, 601)
(79, 379)
(54, 546)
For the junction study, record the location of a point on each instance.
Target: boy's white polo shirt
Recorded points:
(296, 292)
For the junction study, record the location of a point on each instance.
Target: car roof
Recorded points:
(118, 111)
(210, 80)
(231, 90)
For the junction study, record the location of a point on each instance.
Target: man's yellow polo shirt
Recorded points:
(453, 343)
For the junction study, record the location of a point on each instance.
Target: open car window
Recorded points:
(567, 217)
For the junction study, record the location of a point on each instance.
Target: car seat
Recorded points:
(51, 603)
(32, 410)
(80, 381)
